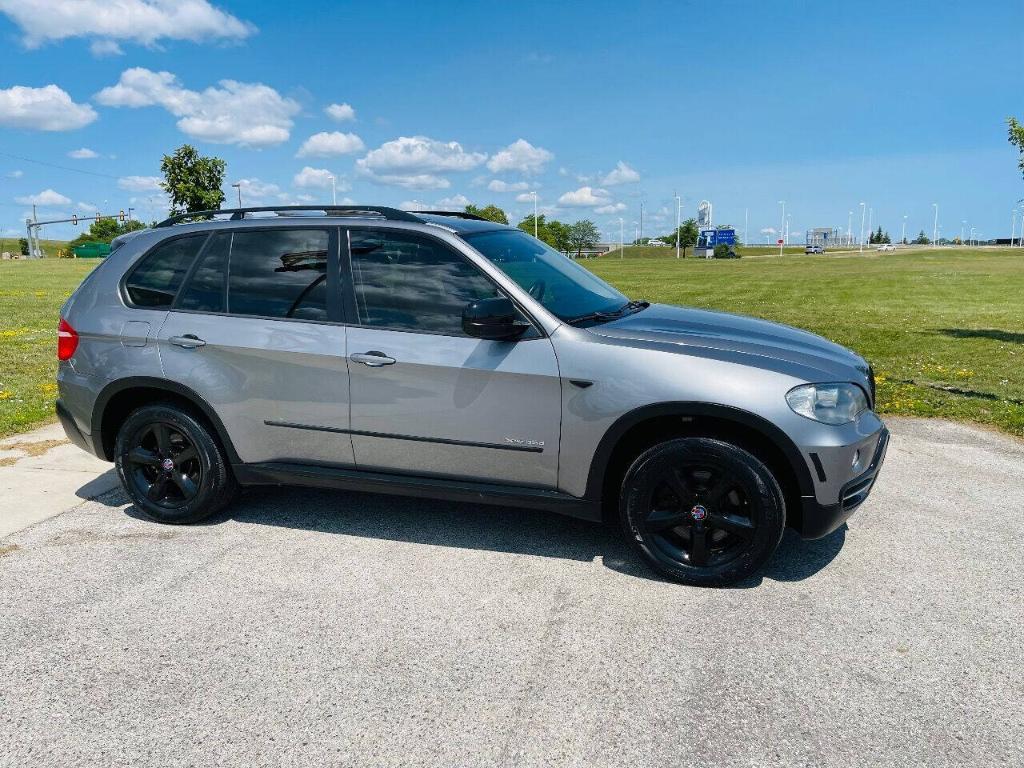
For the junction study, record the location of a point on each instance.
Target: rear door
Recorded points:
(426, 398)
(257, 332)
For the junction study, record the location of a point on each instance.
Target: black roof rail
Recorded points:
(455, 215)
(384, 212)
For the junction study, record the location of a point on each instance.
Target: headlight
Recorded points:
(828, 403)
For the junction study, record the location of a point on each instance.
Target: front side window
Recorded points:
(562, 286)
(154, 283)
(279, 273)
(409, 282)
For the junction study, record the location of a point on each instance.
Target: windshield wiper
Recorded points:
(601, 316)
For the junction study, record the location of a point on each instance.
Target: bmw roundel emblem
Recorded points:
(699, 512)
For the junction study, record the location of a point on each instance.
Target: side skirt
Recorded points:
(314, 476)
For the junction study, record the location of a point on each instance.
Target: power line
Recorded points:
(61, 167)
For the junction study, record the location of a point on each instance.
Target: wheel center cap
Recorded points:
(167, 465)
(699, 512)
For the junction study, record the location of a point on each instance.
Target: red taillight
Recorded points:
(67, 340)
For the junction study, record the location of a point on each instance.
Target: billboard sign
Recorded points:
(709, 238)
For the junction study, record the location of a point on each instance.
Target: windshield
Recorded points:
(562, 286)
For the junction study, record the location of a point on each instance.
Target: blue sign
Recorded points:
(709, 238)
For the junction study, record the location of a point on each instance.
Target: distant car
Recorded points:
(886, 247)
(814, 249)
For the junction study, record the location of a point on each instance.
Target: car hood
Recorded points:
(740, 338)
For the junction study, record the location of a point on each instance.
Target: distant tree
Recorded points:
(559, 236)
(921, 239)
(583, 234)
(1016, 137)
(193, 182)
(490, 212)
(527, 226)
(23, 245)
(105, 230)
(688, 234)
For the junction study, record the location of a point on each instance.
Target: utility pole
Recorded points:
(871, 216)
(935, 225)
(679, 210)
(238, 187)
(641, 230)
(862, 208)
(782, 225)
(903, 237)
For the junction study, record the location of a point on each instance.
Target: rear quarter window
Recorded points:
(155, 281)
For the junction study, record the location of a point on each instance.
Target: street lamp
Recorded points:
(334, 190)
(863, 207)
(679, 211)
(903, 238)
(971, 238)
(935, 225)
(849, 230)
(238, 187)
(782, 225)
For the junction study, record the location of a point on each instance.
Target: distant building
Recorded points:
(827, 237)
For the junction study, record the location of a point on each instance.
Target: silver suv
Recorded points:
(442, 355)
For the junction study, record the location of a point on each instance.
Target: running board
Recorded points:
(315, 476)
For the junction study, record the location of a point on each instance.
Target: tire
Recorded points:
(702, 512)
(171, 466)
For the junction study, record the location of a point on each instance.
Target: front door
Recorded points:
(256, 331)
(426, 398)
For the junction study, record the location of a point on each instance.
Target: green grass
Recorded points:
(49, 247)
(944, 328)
(31, 295)
(657, 252)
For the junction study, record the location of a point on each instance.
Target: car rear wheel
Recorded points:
(171, 466)
(702, 511)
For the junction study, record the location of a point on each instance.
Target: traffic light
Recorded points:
(74, 219)
(121, 216)
(97, 217)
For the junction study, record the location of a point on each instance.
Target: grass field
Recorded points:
(943, 328)
(49, 247)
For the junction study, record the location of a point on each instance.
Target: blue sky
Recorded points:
(596, 106)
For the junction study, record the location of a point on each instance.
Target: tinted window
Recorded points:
(412, 283)
(279, 273)
(204, 291)
(156, 280)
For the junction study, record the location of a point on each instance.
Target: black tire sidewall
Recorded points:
(768, 498)
(215, 483)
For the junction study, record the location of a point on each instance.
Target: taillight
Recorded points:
(67, 340)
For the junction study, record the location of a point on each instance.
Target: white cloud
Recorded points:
(414, 162)
(330, 144)
(340, 112)
(611, 208)
(413, 205)
(247, 114)
(585, 197)
(622, 174)
(82, 154)
(87, 207)
(455, 201)
(768, 231)
(42, 109)
(103, 48)
(256, 192)
(140, 183)
(497, 185)
(319, 178)
(46, 197)
(16, 174)
(139, 21)
(520, 156)
(525, 197)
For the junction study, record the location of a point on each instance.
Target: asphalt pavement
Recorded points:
(308, 628)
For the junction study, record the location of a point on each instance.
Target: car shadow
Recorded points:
(983, 333)
(480, 527)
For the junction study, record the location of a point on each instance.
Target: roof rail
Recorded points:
(389, 214)
(455, 215)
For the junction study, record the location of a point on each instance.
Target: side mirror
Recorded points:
(495, 319)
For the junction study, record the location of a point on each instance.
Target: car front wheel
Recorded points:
(702, 511)
(171, 466)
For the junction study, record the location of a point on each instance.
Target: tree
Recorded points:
(490, 212)
(193, 182)
(921, 239)
(583, 234)
(688, 234)
(105, 230)
(1016, 137)
(23, 245)
(558, 234)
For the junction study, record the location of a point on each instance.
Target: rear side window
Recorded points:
(155, 281)
(412, 283)
(279, 273)
(205, 289)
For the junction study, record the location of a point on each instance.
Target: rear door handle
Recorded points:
(188, 341)
(373, 358)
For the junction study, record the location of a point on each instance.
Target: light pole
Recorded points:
(849, 230)
(1013, 229)
(871, 219)
(641, 230)
(679, 212)
(863, 207)
(786, 236)
(746, 211)
(971, 238)
(238, 188)
(622, 238)
(903, 237)
(935, 224)
(534, 193)
(782, 225)
(334, 190)
(963, 225)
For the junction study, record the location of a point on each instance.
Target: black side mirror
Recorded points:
(495, 319)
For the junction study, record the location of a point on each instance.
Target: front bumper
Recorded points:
(819, 519)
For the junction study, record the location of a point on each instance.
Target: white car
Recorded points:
(886, 247)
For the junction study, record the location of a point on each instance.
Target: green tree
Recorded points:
(688, 234)
(1016, 137)
(23, 245)
(105, 230)
(583, 234)
(921, 239)
(490, 212)
(193, 182)
(558, 234)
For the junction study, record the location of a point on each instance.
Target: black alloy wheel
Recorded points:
(165, 465)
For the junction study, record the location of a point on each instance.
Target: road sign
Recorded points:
(779, 241)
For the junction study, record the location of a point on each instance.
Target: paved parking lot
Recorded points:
(313, 628)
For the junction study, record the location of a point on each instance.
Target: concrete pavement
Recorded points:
(312, 628)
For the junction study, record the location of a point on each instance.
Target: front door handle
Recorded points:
(188, 341)
(373, 358)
